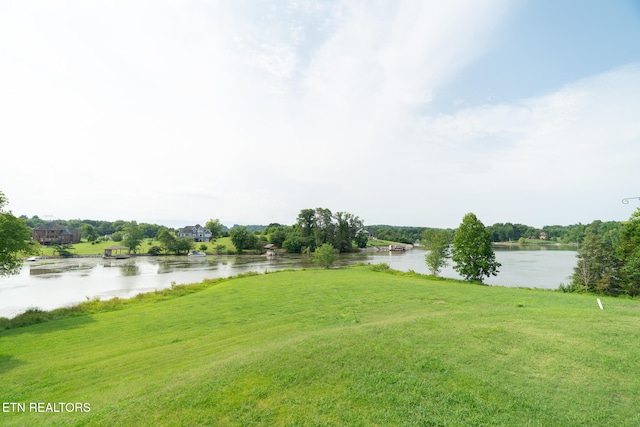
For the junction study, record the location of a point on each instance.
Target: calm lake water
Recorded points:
(49, 284)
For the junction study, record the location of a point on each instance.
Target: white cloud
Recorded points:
(184, 111)
(577, 145)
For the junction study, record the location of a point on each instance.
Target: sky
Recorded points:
(400, 112)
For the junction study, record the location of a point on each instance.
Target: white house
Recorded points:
(197, 232)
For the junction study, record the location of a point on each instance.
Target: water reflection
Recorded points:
(49, 268)
(164, 267)
(73, 280)
(553, 247)
(129, 269)
(34, 271)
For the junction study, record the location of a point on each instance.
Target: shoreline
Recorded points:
(555, 244)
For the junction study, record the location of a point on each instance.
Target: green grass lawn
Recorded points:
(86, 248)
(371, 243)
(335, 347)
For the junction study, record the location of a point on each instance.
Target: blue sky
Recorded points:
(545, 44)
(400, 112)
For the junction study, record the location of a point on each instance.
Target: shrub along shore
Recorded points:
(354, 346)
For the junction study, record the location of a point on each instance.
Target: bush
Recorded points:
(155, 250)
(29, 317)
(63, 249)
(324, 255)
(5, 323)
(380, 267)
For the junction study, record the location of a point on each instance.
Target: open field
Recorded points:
(334, 347)
(378, 242)
(86, 248)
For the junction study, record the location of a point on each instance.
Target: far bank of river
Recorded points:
(53, 283)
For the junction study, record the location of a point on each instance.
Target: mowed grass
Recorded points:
(87, 248)
(335, 347)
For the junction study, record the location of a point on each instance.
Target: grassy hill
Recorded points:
(334, 347)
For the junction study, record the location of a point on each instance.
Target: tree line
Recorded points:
(499, 232)
(316, 227)
(568, 234)
(609, 259)
(508, 232)
(313, 228)
(94, 229)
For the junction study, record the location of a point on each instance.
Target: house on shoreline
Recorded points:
(53, 233)
(197, 232)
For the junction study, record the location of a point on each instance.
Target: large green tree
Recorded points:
(277, 234)
(133, 236)
(319, 226)
(167, 239)
(14, 240)
(325, 229)
(89, 232)
(215, 227)
(597, 269)
(182, 245)
(472, 252)
(240, 238)
(305, 233)
(629, 254)
(346, 230)
(294, 243)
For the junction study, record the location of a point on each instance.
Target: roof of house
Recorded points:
(53, 226)
(190, 228)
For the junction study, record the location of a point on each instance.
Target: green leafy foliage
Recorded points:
(597, 267)
(276, 234)
(629, 253)
(325, 255)
(295, 241)
(472, 252)
(166, 239)
(316, 227)
(182, 245)
(216, 228)
(240, 237)
(63, 249)
(401, 234)
(14, 240)
(380, 267)
(609, 259)
(155, 250)
(438, 243)
(133, 236)
(89, 232)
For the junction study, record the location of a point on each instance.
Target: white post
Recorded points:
(600, 304)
